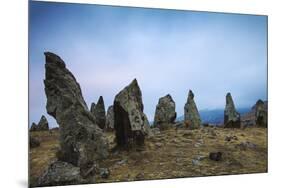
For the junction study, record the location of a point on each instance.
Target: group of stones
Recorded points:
(82, 141)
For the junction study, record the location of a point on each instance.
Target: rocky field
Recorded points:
(169, 154)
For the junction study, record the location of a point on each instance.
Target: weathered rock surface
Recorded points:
(261, 114)
(165, 113)
(129, 119)
(231, 116)
(43, 124)
(109, 123)
(215, 156)
(82, 142)
(62, 173)
(191, 114)
(98, 112)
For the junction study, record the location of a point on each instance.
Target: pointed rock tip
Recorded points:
(190, 93)
(53, 58)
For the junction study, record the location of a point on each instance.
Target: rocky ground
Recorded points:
(170, 154)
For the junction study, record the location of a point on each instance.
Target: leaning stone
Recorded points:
(109, 123)
(82, 142)
(43, 124)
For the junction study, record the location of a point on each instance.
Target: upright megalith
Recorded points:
(129, 119)
(82, 142)
(231, 116)
(261, 113)
(165, 113)
(191, 115)
(109, 123)
(43, 124)
(98, 112)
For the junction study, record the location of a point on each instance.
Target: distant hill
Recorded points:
(215, 116)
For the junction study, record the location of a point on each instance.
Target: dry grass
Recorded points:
(170, 155)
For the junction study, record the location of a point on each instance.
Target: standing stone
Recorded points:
(109, 124)
(92, 107)
(191, 114)
(33, 127)
(261, 114)
(165, 113)
(129, 119)
(98, 112)
(82, 142)
(231, 116)
(43, 124)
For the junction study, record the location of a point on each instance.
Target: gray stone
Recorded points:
(191, 114)
(231, 116)
(215, 156)
(33, 127)
(82, 142)
(98, 112)
(62, 173)
(165, 113)
(43, 124)
(129, 119)
(109, 124)
(104, 173)
(261, 114)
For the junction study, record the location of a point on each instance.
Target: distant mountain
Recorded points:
(215, 116)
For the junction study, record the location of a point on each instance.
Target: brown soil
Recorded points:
(171, 154)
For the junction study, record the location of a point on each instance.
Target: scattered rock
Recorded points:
(246, 145)
(195, 162)
(191, 114)
(165, 113)
(158, 144)
(215, 156)
(228, 138)
(62, 173)
(104, 173)
(231, 116)
(140, 176)
(155, 131)
(129, 119)
(109, 123)
(33, 142)
(98, 112)
(124, 161)
(82, 142)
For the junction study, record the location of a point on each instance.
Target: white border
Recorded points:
(14, 83)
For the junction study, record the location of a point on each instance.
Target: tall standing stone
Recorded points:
(109, 124)
(231, 116)
(261, 114)
(165, 113)
(82, 142)
(129, 119)
(98, 112)
(191, 114)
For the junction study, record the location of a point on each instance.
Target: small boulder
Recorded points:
(33, 142)
(104, 173)
(215, 156)
(33, 127)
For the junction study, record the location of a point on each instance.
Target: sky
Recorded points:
(167, 51)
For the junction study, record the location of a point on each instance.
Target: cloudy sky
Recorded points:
(168, 51)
